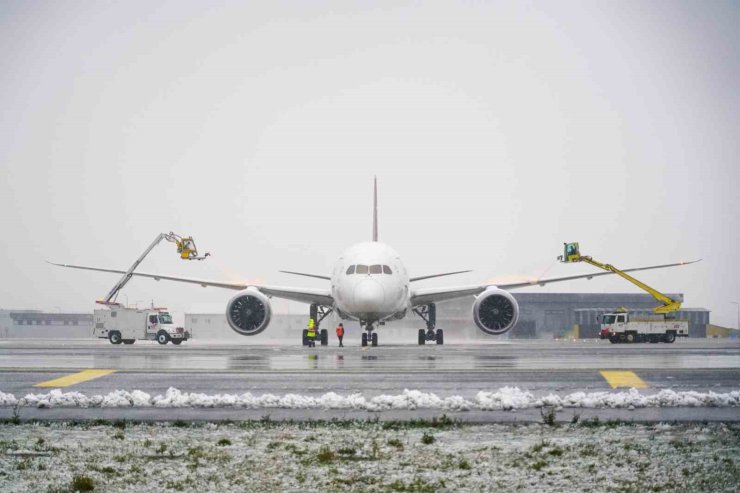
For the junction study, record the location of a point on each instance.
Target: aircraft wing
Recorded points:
(436, 295)
(303, 295)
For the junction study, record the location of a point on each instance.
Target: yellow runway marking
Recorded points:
(74, 378)
(623, 379)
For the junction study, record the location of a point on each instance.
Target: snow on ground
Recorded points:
(368, 456)
(504, 398)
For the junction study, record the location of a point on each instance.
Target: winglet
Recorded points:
(375, 209)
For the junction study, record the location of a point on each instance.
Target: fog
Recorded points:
(497, 132)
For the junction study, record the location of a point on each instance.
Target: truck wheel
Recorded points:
(630, 337)
(613, 339)
(115, 337)
(669, 337)
(176, 342)
(129, 341)
(162, 337)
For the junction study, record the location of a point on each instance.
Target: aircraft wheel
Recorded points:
(162, 337)
(324, 337)
(374, 338)
(422, 337)
(440, 336)
(114, 337)
(305, 337)
(364, 339)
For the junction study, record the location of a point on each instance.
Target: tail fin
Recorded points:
(375, 209)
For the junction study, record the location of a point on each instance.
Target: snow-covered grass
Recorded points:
(504, 398)
(368, 456)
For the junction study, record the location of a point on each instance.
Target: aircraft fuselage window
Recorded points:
(351, 270)
(387, 270)
(361, 269)
(376, 269)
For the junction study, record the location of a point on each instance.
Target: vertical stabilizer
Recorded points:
(375, 209)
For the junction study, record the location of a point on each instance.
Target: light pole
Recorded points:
(738, 313)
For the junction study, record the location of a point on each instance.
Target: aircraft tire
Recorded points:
(422, 337)
(114, 337)
(305, 337)
(440, 336)
(374, 339)
(364, 339)
(324, 337)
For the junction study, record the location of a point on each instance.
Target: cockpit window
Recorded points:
(376, 269)
(387, 270)
(361, 269)
(351, 270)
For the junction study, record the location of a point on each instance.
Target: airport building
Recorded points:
(541, 315)
(39, 324)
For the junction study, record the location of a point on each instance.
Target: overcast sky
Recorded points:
(497, 131)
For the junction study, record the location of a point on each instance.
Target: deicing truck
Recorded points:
(119, 325)
(620, 327)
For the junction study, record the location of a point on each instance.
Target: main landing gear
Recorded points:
(318, 313)
(369, 336)
(428, 313)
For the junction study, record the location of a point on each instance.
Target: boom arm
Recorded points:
(185, 247)
(573, 254)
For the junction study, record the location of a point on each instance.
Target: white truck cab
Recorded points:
(120, 324)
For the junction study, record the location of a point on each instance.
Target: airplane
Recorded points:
(369, 283)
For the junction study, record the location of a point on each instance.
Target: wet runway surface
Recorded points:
(193, 356)
(540, 367)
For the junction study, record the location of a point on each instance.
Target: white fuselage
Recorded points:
(370, 283)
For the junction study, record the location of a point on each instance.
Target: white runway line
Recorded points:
(505, 398)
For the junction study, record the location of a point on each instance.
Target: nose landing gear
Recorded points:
(428, 313)
(369, 336)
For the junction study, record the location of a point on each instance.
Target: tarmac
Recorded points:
(541, 367)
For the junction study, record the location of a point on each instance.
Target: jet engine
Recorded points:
(495, 311)
(248, 313)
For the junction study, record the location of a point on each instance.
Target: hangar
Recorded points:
(542, 315)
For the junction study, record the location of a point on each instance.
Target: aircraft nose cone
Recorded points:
(368, 296)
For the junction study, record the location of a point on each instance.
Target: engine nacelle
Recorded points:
(495, 311)
(248, 313)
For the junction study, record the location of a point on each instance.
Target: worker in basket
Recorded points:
(311, 336)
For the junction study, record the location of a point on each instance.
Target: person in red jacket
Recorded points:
(340, 334)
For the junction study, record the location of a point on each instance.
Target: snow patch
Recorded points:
(505, 398)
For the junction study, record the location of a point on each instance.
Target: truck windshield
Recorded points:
(608, 319)
(165, 318)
